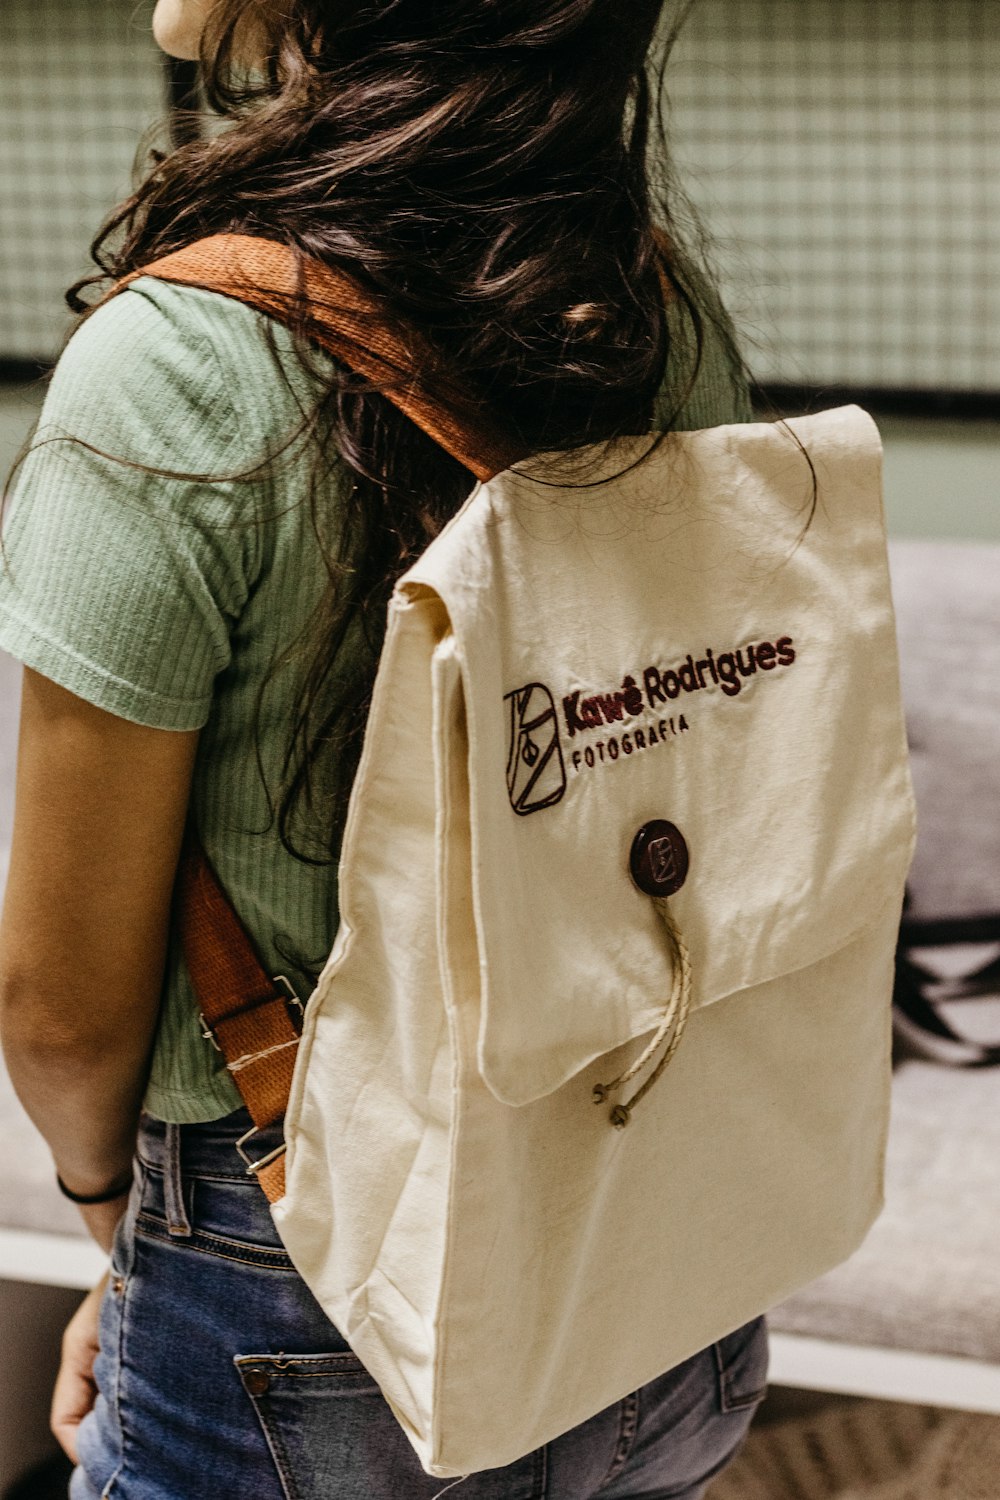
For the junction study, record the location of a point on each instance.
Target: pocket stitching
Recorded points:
(274, 1445)
(285, 1364)
(351, 1366)
(263, 1257)
(728, 1400)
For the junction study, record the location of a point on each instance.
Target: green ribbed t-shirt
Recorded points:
(165, 600)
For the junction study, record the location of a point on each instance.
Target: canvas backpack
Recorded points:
(598, 1068)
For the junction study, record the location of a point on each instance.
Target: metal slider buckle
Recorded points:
(290, 998)
(207, 1031)
(253, 1167)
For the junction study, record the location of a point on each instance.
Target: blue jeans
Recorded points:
(220, 1378)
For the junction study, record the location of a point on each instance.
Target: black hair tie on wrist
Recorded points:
(118, 1191)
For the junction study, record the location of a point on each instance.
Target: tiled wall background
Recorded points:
(842, 152)
(80, 81)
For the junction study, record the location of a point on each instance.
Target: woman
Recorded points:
(200, 549)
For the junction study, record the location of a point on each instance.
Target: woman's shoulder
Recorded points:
(166, 363)
(144, 495)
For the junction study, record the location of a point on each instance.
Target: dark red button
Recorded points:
(256, 1382)
(658, 860)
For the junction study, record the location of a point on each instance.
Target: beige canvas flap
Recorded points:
(692, 642)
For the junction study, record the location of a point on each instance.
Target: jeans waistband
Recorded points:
(205, 1149)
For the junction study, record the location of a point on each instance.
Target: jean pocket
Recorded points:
(741, 1366)
(331, 1432)
(100, 1442)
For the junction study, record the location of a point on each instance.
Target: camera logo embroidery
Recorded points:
(536, 775)
(663, 861)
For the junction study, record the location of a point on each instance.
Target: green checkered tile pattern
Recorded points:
(80, 82)
(841, 154)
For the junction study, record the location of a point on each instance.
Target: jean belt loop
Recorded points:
(178, 1224)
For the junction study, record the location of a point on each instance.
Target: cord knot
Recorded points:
(670, 1029)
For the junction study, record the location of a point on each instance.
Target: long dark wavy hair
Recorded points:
(483, 168)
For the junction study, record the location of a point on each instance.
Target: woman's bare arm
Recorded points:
(98, 825)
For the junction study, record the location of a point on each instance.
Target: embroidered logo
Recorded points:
(536, 768)
(662, 861)
(536, 775)
(726, 670)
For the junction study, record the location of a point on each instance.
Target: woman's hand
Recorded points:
(75, 1391)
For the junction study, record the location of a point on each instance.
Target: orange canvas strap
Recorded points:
(253, 1018)
(347, 321)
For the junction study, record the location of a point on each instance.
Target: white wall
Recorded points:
(942, 478)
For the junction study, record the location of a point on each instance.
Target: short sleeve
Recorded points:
(120, 584)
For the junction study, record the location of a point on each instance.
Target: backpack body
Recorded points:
(567, 666)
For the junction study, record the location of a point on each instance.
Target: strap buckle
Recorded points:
(253, 1167)
(207, 1031)
(292, 1001)
(295, 1007)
